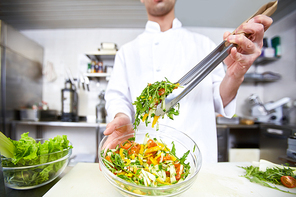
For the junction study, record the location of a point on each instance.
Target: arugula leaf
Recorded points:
(183, 158)
(117, 161)
(173, 150)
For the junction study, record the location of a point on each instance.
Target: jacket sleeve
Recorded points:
(118, 97)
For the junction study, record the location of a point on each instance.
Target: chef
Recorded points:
(166, 49)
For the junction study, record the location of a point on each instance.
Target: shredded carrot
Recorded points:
(144, 117)
(154, 121)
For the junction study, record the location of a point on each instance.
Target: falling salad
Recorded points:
(146, 104)
(150, 164)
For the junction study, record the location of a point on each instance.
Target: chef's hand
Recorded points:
(249, 48)
(242, 57)
(119, 126)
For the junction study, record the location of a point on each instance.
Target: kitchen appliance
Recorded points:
(69, 103)
(100, 109)
(20, 74)
(274, 142)
(30, 114)
(291, 150)
(269, 112)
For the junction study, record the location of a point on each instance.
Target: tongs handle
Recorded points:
(209, 63)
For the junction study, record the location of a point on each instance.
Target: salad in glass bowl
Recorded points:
(30, 163)
(149, 162)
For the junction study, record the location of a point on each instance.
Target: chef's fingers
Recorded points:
(226, 34)
(110, 128)
(245, 45)
(262, 19)
(255, 28)
(238, 57)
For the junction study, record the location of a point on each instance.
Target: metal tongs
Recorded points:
(211, 61)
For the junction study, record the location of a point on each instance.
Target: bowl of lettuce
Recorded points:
(30, 163)
(135, 167)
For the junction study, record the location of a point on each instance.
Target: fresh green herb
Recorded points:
(183, 158)
(173, 150)
(131, 139)
(271, 175)
(117, 161)
(150, 97)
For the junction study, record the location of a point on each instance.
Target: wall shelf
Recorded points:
(261, 78)
(265, 60)
(101, 55)
(97, 74)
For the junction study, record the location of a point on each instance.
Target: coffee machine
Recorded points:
(69, 103)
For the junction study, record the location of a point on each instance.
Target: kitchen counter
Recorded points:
(238, 126)
(279, 126)
(220, 179)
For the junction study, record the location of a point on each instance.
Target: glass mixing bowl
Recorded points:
(29, 175)
(166, 134)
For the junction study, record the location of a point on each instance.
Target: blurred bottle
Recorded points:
(100, 109)
(97, 67)
(267, 51)
(100, 67)
(89, 68)
(93, 63)
(276, 44)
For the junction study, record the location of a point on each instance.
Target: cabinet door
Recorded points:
(222, 139)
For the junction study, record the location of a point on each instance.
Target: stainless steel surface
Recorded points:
(274, 142)
(29, 114)
(269, 112)
(21, 73)
(32, 14)
(223, 144)
(196, 75)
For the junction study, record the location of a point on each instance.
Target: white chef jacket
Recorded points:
(154, 55)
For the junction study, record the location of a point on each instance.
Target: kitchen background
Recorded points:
(65, 49)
